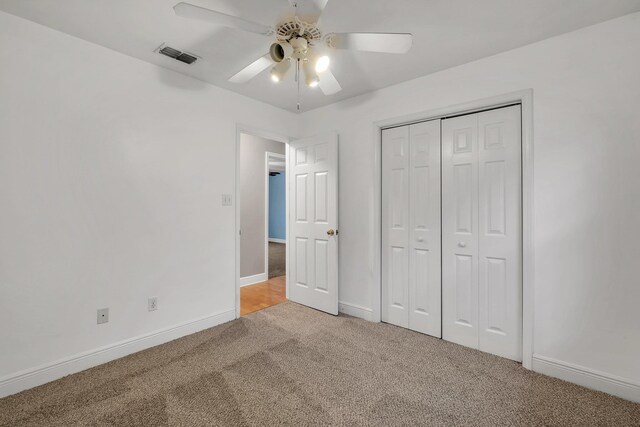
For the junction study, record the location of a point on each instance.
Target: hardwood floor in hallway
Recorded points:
(262, 295)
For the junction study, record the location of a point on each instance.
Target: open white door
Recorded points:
(312, 241)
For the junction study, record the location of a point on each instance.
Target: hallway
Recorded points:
(262, 295)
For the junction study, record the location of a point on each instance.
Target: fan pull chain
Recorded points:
(298, 81)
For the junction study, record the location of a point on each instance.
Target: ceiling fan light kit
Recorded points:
(322, 64)
(300, 40)
(280, 51)
(311, 78)
(295, 48)
(280, 70)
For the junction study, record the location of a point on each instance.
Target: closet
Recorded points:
(452, 229)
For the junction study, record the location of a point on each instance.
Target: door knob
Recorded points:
(462, 244)
(420, 239)
(330, 232)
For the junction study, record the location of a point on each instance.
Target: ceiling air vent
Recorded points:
(177, 55)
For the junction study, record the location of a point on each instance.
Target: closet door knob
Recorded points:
(330, 232)
(420, 239)
(462, 244)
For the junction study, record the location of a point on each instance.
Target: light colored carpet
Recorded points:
(277, 259)
(290, 365)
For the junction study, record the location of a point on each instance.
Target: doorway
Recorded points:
(311, 224)
(276, 203)
(262, 221)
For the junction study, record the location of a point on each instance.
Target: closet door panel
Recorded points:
(500, 238)
(395, 226)
(424, 235)
(460, 230)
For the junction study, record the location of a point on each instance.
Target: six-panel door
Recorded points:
(313, 246)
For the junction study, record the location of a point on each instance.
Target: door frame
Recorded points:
(268, 155)
(525, 99)
(250, 130)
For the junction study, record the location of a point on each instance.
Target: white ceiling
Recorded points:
(446, 33)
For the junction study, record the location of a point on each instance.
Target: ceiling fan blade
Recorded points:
(328, 82)
(187, 10)
(252, 70)
(309, 10)
(372, 42)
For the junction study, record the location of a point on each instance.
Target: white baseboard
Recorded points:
(29, 378)
(587, 377)
(277, 240)
(355, 310)
(252, 280)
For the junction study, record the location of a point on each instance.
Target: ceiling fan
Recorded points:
(299, 41)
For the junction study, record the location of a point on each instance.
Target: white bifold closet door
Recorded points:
(481, 231)
(411, 279)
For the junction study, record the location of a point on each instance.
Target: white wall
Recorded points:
(111, 175)
(253, 177)
(587, 197)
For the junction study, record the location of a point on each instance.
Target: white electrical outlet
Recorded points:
(226, 200)
(103, 315)
(153, 303)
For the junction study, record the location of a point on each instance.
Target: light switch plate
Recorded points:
(226, 200)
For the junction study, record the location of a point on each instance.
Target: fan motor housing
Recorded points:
(298, 28)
